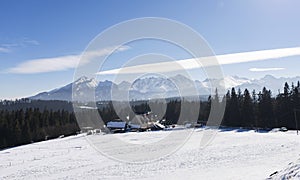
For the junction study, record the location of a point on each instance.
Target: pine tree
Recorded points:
(265, 109)
(247, 111)
(226, 119)
(234, 118)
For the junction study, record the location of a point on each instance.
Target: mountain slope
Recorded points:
(156, 87)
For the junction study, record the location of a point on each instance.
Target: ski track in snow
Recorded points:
(231, 155)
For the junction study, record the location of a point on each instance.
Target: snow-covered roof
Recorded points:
(135, 126)
(114, 124)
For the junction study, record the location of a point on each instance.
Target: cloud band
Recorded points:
(223, 60)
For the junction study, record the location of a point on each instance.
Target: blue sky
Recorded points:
(34, 29)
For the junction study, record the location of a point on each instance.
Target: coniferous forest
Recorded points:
(25, 121)
(24, 126)
(262, 110)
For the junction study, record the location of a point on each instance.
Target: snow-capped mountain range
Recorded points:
(156, 87)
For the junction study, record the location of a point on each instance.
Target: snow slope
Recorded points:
(233, 154)
(292, 171)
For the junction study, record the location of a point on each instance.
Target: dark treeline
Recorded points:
(262, 110)
(21, 126)
(40, 104)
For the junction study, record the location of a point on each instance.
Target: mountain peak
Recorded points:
(268, 76)
(82, 79)
(90, 82)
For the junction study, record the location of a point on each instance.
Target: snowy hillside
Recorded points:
(292, 171)
(151, 87)
(233, 154)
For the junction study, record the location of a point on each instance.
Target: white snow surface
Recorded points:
(291, 172)
(233, 154)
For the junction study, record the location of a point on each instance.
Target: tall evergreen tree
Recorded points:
(234, 110)
(265, 109)
(247, 111)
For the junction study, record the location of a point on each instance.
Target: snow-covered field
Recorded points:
(233, 154)
(291, 172)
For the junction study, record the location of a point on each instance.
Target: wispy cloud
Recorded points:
(23, 42)
(60, 63)
(28, 41)
(265, 69)
(45, 65)
(20, 43)
(4, 50)
(206, 61)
